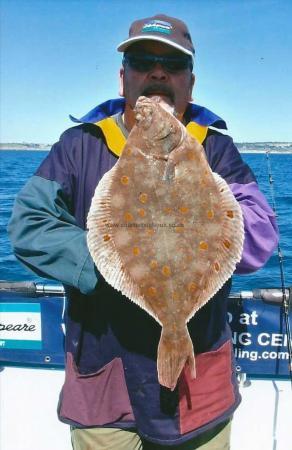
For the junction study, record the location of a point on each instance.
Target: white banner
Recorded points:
(20, 323)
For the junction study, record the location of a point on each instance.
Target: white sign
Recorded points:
(20, 326)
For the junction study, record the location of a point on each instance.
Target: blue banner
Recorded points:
(259, 337)
(31, 333)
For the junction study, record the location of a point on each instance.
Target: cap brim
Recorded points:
(125, 44)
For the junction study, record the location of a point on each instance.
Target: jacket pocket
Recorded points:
(95, 399)
(211, 393)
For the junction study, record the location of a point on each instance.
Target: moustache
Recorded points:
(156, 88)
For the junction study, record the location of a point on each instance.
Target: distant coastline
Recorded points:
(263, 147)
(243, 147)
(25, 146)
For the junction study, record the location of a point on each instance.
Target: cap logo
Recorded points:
(157, 26)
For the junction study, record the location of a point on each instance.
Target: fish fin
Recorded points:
(233, 225)
(231, 244)
(231, 239)
(101, 243)
(174, 352)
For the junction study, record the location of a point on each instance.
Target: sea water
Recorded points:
(17, 166)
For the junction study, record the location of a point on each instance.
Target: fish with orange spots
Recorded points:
(165, 230)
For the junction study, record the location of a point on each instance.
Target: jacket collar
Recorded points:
(198, 120)
(194, 113)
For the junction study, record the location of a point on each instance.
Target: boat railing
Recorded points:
(268, 295)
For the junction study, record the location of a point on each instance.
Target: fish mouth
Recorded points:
(161, 139)
(162, 136)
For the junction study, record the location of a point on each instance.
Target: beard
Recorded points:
(159, 89)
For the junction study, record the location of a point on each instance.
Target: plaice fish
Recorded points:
(165, 230)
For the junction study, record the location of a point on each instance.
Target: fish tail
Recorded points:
(175, 350)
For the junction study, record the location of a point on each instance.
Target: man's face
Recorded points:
(175, 88)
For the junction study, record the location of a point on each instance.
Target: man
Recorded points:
(111, 396)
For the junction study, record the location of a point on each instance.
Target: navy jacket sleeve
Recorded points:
(43, 229)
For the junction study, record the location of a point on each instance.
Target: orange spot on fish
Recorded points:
(192, 287)
(203, 245)
(136, 251)
(152, 291)
(174, 327)
(143, 198)
(179, 229)
(142, 212)
(166, 271)
(128, 217)
(184, 209)
(153, 264)
(210, 214)
(125, 180)
(167, 210)
(150, 231)
(106, 237)
(191, 155)
(175, 296)
(217, 266)
(230, 214)
(227, 243)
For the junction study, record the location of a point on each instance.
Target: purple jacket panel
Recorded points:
(261, 231)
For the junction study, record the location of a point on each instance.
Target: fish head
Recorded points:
(157, 124)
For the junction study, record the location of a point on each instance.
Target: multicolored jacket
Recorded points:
(111, 344)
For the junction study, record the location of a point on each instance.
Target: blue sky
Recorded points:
(58, 57)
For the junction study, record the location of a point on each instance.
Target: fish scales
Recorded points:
(165, 230)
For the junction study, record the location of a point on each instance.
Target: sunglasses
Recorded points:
(146, 62)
